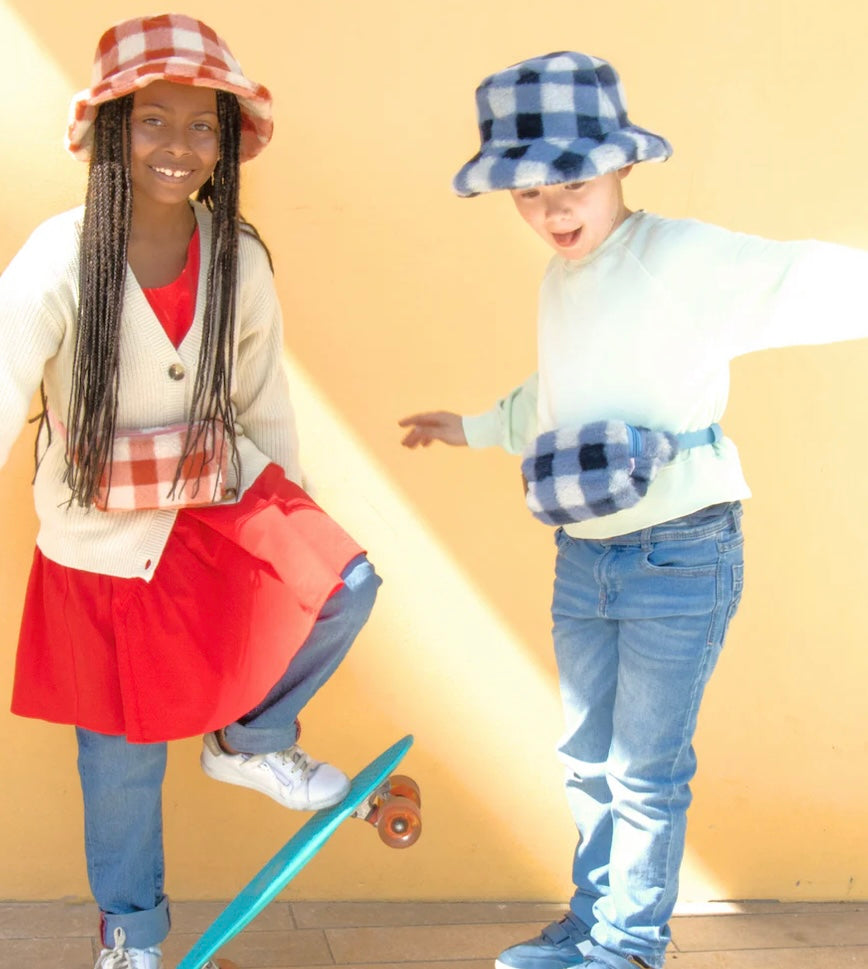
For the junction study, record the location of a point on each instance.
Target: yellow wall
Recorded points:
(400, 297)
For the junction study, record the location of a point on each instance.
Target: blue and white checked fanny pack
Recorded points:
(573, 474)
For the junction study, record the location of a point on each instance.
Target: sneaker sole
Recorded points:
(503, 965)
(536, 961)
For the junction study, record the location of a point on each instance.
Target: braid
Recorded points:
(212, 390)
(105, 233)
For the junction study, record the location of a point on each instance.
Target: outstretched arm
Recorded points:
(433, 426)
(510, 424)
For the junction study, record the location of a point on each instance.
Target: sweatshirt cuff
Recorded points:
(483, 430)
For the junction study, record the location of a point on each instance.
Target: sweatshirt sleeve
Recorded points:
(263, 406)
(764, 294)
(510, 424)
(38, 295)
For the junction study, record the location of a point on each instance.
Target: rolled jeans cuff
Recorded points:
(141, 929)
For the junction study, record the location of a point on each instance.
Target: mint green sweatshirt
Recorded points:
(643, 330)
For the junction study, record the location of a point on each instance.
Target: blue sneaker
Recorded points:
(560, 945)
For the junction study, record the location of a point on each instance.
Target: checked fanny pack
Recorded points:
(144, 466)
(573, 474)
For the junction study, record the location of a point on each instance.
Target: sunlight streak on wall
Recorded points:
(433, 633)
(41, 168)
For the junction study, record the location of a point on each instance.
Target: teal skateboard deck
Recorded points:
(394, 812)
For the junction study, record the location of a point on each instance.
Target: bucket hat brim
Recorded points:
(542, 162)
(124, 64)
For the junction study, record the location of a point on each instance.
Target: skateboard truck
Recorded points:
(394, 809)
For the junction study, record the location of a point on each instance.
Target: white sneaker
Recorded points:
(120, 957)
(289, 776)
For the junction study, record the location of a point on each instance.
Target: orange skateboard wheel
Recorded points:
(399, 823)
(402, 786)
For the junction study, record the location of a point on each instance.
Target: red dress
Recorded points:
(234, 596)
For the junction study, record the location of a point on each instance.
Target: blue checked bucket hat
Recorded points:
(557, 118)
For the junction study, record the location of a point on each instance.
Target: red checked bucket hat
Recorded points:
(168, 47)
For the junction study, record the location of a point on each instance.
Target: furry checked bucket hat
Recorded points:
(557, 118)
(168, 47)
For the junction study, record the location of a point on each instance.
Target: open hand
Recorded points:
(433, 426)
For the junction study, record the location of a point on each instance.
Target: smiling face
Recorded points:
(574, 217)
(174, 140)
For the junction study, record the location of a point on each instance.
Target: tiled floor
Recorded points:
(445, 935)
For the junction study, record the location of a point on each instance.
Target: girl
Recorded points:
(182, 583)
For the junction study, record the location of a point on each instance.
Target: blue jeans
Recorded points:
(122, 782)
(639, 622)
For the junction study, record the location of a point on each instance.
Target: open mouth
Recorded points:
(174, 174)
(566, 239)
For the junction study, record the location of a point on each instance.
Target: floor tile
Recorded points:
(444, 935)
(46, 954)
(195, 917)
(452, 964)
(40, 920)
(419, 943)
(733, 932)
(334, 914)
(852, 957)
(255, 948)
(766, 907)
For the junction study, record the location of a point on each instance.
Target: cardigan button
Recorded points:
(176, 371)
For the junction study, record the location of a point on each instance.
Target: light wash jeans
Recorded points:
(122, 783)
(639, 622)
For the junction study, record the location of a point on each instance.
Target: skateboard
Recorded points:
(391, 803)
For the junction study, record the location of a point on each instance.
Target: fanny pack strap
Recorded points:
(708, 435)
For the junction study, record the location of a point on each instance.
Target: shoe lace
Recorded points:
(119, 957)
(296, 759)
(291, 766)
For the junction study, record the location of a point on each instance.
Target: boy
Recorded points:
(639, 317)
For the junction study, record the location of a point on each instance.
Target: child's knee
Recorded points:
(350, 605)
(359, 591)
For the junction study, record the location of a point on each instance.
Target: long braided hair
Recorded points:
(105, 234)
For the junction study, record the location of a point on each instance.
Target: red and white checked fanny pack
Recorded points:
(144, 465)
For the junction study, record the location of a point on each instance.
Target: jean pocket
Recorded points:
(688, 557)
(730, 585)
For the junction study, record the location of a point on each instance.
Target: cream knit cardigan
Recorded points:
(38, 309)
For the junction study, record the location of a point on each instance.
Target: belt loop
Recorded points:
(735, 513)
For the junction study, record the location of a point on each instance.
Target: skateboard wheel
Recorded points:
(399, 823)
(402, 786)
